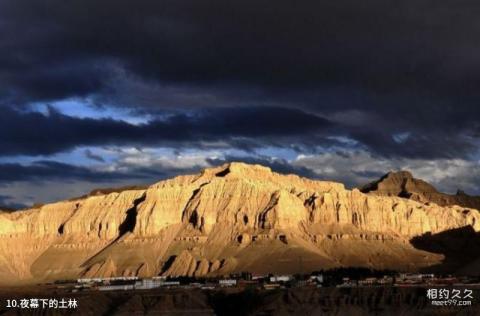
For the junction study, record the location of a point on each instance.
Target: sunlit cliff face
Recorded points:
(232, 218)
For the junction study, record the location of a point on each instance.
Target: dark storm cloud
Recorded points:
(410, 66)
(428, 144)
(34, 133)
(7, 205)
(247, 128)
(53, 170)
(377, 45)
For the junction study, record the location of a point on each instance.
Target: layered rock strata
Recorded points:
(232, 218)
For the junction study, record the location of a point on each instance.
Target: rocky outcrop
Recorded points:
(403, 184)
(232, 218)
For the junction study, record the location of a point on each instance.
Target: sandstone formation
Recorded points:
(232, 218)
(403, 184)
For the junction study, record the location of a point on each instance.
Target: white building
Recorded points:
(280, 278)
(123, 287)
(317, 278)
(146, 284)
(227, 282)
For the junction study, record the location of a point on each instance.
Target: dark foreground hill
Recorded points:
(296, 301)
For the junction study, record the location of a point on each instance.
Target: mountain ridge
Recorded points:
(404, 184)
(231, 218)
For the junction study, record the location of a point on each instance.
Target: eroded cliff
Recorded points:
(232, 218)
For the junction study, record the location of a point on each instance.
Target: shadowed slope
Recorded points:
(460, 246)
(403, 184)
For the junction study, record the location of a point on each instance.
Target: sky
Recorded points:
(112, 93)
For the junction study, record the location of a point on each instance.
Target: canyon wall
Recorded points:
(232, 218)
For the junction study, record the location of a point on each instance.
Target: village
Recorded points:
(247, 280)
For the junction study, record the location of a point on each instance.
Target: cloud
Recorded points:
(23, 194)
(90, 155)
(353, 86)
(6, 203)
(360, 167)
(150, 161)
(45, 181)
(244, 128)
(376, 46)
(22, 185)
(379, 69)
(52, 170)
(34, 133)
